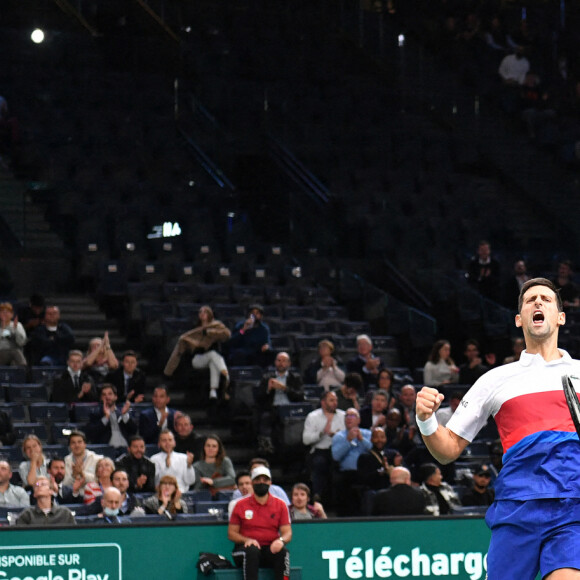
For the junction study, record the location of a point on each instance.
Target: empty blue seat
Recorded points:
(21, 430)
(246, 373)
(304, 341)
(149, 290)
(45, 374)
(177, 292)
(295, 410)
(197, 495)
(283, 342)
(321, 326)
(104, 449)
(58, 450)
(313, 391)
(331, 312)
(26, 393)
(16, 410)
(175, 326)
(5, 510)
(216, 508)
(355, 327)
(48, 412)
(291, 312)
(61, 431)
(80, 412)
(188, 310)
(155, 310)
(12, 454)
(10, 374)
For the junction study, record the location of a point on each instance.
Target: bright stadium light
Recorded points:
(37, 36)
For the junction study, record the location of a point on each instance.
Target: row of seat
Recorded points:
(320, 311)
(43, 411)
(113, 275)
(34, 374)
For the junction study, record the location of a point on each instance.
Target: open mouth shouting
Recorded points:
(537, 318)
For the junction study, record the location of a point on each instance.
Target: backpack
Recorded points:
(208, 562)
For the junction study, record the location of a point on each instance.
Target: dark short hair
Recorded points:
(129, 353)
(61, 459)
(302, 487)
(426, 470)
(107, 386)
(259, 461)
(135, 438)
(163, 388)
(471, 341)
(242, 473)
(118, 470)
(77, 433)
(540, 282)
(353, 381)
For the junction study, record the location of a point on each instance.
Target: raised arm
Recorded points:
(443, 444)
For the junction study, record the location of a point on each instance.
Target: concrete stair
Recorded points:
(82, 314)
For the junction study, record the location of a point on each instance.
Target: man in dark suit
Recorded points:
(374, 466)
(140, 470)
(375, 414)
(62, 494)
(51, 341)
(401, 499)
(109, 423)
(129, 502)
(74, 385)
(158, 417)
(277, 388)
(128, 379)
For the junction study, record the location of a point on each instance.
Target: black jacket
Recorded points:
(63, 389)
(135, 468)
(98, 432)
(399, 500)
(294, 390)
(136, 383)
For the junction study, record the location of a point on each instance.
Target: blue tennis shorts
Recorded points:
(533, 535)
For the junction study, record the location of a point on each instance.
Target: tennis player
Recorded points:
(535, 520)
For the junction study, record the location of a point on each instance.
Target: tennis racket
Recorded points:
(572, 401)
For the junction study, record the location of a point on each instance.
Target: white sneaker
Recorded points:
(213, 394)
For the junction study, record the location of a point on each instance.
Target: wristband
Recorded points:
(429, 426)
(282, 540)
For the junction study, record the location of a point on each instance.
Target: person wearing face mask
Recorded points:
(260, 529)
(111, 501)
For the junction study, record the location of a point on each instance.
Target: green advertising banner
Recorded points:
(453, 548)
(89, 561)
